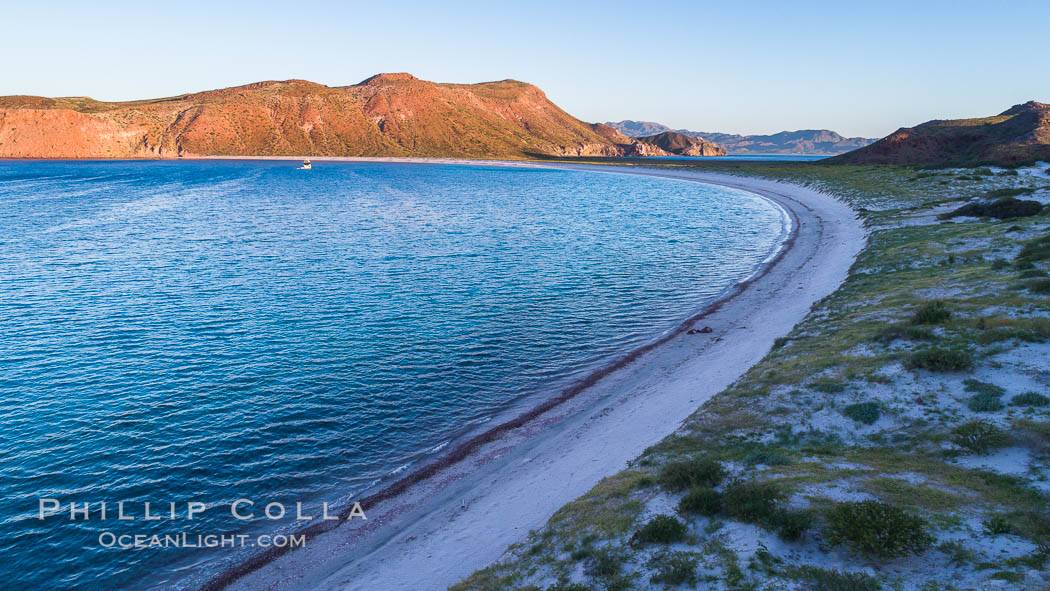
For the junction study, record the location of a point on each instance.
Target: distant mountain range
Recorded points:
(385, 115)
(806, 141)
(1017, 135)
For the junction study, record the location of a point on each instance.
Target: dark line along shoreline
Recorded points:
(466, 448)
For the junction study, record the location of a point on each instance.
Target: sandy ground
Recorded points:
(464, 517)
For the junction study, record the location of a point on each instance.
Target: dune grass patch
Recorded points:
(1033, 399)
(877, 530)
(674, 568)
(702, 501)
(689, 473)
(935, 312)
(662, 529)
(863, 412)
(940, 359)
(979, 437)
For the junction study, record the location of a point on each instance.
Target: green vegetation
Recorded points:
(834, 580)
(674, 568)
(761, 503)
(828, 386)
(702, 501)
(1030, 399)
(998, 525)
(984, 403)
(693, 472)
(877, 530)
(752, 502)
(905, 332)
(1039, 286)
(940, 359)
(986, 396)
(980, 437)
(662, 529)
(979, 387)
(863, 412)
(932, 313)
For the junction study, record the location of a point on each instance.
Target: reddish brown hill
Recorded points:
(385, 115)
(1019, 134)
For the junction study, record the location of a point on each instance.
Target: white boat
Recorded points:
(306, 165)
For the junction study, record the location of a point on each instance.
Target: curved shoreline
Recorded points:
(425, 499)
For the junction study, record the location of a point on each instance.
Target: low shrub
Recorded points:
(1011, 192)
(791, 525)
(690, 473)
(662, 529)
(568, 587)
(863, 412)
(979, 437)
(674, 568)
(704, 501)
(1036, 249)
(605, 562)
(997, 525)
(1000, 264)
(828, 386)
(1032, 274)
(766, 458)
(1030, 399)
(904, 332)
(979, 387)
(1000, 209)
(1007, 575)
(877, 530)
(1039, 286)
(984, 403)
(752, 501)
(935, 312)
(958, 554)
(940, 359)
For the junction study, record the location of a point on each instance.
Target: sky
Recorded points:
(862, 69)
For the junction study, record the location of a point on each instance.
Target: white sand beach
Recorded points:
(465, 515)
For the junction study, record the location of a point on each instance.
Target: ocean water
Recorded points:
(215, 330)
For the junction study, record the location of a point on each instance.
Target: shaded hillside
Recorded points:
(683, 145)
(805, 141)
(385, 115)
(1019, 134)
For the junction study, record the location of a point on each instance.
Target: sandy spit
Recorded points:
(464, 515)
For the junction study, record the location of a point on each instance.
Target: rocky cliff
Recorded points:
(385, 115)
(1019, 134)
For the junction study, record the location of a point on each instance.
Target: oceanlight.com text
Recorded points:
(187, 540)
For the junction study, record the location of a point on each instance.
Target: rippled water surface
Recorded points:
(214, 330)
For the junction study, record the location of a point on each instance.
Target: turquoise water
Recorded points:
(214, 330)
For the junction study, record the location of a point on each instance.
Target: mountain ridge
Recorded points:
(388, 114)
(804, 141)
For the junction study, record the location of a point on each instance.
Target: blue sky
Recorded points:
(743, 67)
